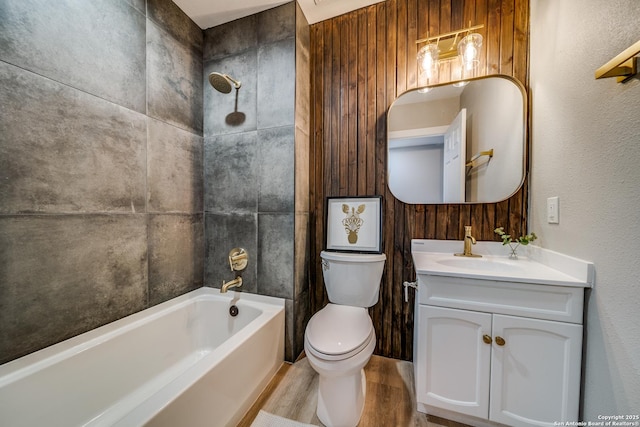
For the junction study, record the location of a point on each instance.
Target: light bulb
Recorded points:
(470, 54)
(469, 50)
(427, 65)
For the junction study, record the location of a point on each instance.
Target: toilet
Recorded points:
(340, 339)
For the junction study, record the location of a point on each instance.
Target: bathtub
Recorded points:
(185, 362)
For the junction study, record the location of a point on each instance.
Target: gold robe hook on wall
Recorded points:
(624, 66)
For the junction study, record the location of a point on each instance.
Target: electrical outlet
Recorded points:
(553, 216)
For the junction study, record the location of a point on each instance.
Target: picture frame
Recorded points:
(354, 224)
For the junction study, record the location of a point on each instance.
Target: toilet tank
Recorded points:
(352, 279)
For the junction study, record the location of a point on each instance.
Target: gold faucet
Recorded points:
(468, 241)
(235, 283)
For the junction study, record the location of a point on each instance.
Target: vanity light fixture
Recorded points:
(450, 46)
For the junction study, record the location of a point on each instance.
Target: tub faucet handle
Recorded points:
(238, 259)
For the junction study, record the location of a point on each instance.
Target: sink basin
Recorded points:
(535, 265)
(485, 264)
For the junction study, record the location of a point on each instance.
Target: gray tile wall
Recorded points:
(104, 209)
(101, 164)
(97, 47)
(250, 160)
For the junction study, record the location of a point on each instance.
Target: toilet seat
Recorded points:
(338, 332)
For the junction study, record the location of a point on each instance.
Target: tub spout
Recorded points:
(235, 283)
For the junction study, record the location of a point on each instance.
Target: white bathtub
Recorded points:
(185, 362)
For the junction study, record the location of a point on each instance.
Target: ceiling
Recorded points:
(209, 13)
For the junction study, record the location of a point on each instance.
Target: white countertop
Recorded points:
(534, 264)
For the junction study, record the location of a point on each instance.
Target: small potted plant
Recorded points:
(513, 244)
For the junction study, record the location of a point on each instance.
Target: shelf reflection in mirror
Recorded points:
(432, 137)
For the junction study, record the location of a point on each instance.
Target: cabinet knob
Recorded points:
(500, 341)
(487, 339)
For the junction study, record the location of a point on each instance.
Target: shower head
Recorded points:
(222, 82)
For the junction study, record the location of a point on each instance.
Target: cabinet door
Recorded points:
(452, 370)
(535, 374)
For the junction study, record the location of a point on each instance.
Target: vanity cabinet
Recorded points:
(504, 352)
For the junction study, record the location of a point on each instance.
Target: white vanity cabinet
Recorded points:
(490, 351)
(508, 369)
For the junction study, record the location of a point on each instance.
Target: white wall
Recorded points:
(415, 172)
(423, 114)
(586, 150)
(491, 109)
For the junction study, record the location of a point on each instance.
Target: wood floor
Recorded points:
(390, 400)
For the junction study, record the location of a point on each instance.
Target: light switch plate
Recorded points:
(553, 216)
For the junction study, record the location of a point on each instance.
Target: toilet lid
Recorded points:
(339, 329)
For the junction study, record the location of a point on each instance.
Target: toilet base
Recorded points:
(339, 409)
(342, 382)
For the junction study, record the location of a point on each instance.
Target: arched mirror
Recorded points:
(458, 144)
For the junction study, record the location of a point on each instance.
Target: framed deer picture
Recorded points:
(354, 224)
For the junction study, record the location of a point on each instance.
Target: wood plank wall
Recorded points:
(361, 62)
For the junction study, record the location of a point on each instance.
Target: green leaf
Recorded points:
(506, 238)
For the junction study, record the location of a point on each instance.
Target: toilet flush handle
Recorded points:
(325, 264)
(406, 292)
